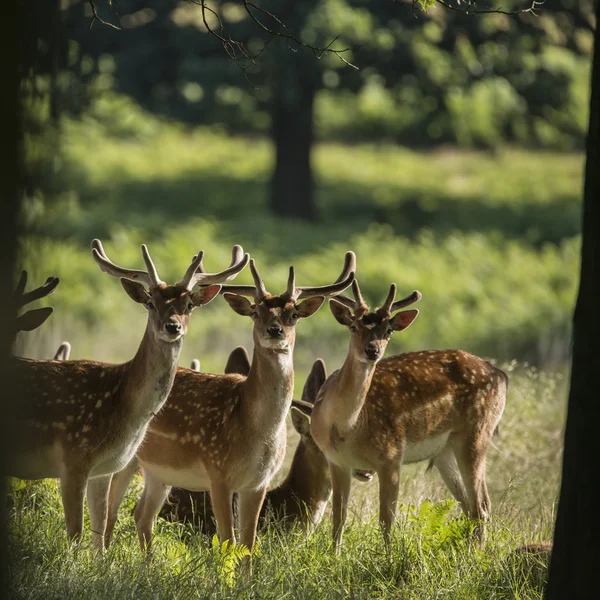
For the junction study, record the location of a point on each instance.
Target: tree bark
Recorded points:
(12, 186)
(576, 552)
(292, 180)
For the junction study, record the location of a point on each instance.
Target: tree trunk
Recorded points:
(576, 552)
(12, 182)
(292, 180)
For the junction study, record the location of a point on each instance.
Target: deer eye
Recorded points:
(294, 316)
(353, 328)
(149, 305)
(190, 308)
(389, 332)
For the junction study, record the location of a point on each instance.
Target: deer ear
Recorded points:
(300, 421)
(204, 295)
(32, 319)
(316, 378)
(404, 319)
(240, 304)
(135, 290)
(343, 315)
(238, 361)
(309, 307)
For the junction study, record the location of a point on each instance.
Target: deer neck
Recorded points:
(151, 374)
(269, 388)
(349, 391)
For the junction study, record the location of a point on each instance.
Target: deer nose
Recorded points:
(172, 327)
(275, 331)
(372, 351)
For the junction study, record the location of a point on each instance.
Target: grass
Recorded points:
(431, 555)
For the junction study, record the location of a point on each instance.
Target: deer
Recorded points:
(80, 421)
(377, 414)
(305, 492)
(31, 319)
(227, 433)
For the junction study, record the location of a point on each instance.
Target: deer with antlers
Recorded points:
(31, 319)
(374, 414)
(227, 433)
(82, 420)
(302, 496)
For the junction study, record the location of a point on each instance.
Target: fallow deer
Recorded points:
(438, 405)
(31, 319)
(301, 497)
(82, 420)
(227, 433)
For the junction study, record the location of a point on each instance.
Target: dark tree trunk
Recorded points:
(12, 181)
(576, 552)
(292, 180)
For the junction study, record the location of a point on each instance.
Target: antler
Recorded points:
(149, 277)
(344, 280)
(21, 298)
(196, 274)
(258, 291)
(389, 306)
(356, 305)
(410, 299)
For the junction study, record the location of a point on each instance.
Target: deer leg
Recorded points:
(72, 487)
(341, 482)
(446, 464)
(118, 486)
(470, 455)
(250, 503)
(154, 494)
(389, 484)
(221, 498)
(97, 498)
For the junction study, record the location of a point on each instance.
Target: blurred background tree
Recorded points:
(425, 79)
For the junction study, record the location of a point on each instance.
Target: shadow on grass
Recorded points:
(240, 206)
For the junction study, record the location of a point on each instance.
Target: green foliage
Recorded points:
(465, 229)
(228, 557)
(427, 75)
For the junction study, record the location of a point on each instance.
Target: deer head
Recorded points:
(371, 330)
(31, 319)
(275, 317)
(169, 306)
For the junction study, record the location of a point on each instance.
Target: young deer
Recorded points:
(31, 319)
(227, 433)
(438, 405)
(301, 497)
(82, 420)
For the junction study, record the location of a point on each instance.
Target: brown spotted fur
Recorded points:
(81, 421)
(225, 433)
(440, 405)
(300, 498)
